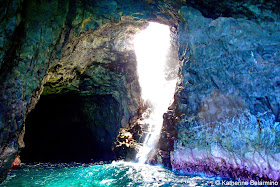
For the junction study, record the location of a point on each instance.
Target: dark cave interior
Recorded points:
(70, 128)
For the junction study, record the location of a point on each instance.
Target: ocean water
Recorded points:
(114, 174)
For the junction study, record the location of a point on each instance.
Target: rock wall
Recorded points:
(258, 10)
(227, 105)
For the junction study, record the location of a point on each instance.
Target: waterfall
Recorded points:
(152, 47)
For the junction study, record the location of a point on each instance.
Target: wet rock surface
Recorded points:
(227, 105)
(167, 140)
(127, 142)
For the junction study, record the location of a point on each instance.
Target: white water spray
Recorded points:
(152, 47)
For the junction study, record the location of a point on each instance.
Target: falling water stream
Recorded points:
(152, 47)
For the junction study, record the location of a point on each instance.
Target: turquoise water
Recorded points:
(114, 174)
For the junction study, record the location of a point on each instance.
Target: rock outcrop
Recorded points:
(227, 105)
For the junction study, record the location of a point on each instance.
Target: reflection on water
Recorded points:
(114, 174)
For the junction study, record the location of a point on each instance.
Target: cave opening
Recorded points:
(66, 128)
(83, 125)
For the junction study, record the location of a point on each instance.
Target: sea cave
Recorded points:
(139, 93)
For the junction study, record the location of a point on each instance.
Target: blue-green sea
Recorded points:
(114, 174)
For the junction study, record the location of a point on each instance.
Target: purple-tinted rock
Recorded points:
(228, 105)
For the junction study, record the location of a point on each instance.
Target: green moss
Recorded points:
(58, 90)
(53, 80)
